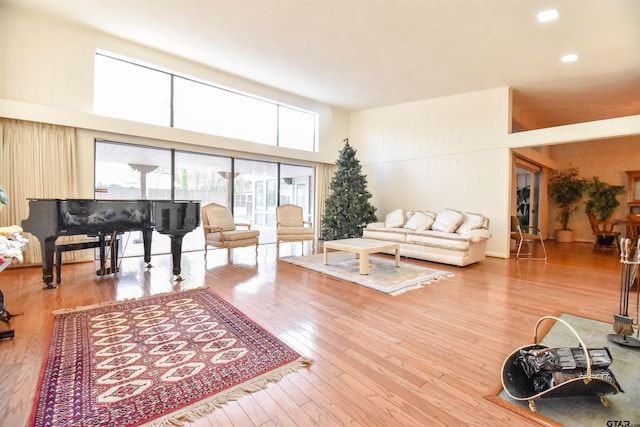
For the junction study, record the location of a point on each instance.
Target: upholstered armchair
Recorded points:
(221, 231)
(291, 227)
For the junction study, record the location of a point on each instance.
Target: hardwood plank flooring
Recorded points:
(427, 357)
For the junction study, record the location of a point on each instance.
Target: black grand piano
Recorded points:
(50, 218)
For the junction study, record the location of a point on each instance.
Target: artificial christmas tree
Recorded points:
(347, 209)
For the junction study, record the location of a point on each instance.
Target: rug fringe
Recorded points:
(108, 303)
(404, 290)
(204, 407)
(414, 287)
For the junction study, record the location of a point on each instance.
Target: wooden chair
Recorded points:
(605, 237)
(528, 237)
(633, 230)
(221, 231)
(291, 227)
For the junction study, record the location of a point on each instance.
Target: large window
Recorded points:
(125, 171)
(250, 188)
(202, 177)
(130, 91)
(295, 128)
(215, 111)
(134, 172)
(259, 178)
(296, 187)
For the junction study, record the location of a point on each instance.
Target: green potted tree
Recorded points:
(602, 200)
(347, 209)
(565, 189)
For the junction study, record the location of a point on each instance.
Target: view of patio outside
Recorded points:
(125, 171)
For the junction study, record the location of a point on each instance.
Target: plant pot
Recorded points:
(605, 240)
(564, 236)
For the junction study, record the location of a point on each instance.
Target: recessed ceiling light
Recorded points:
(570, 58)
(548, 15)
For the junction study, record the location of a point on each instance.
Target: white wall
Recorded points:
(455, 152)
(439, 153)
(46, 74)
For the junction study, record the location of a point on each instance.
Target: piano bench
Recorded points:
(89, 244)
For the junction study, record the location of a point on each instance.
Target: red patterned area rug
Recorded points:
(163, 360)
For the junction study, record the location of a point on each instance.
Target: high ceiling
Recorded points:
(359, 54)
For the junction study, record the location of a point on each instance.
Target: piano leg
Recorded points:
(113, 244)
(176, 255)
(146, 241)
(103, 256)
(48, 251)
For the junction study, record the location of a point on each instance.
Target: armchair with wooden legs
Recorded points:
(633, 231)
(605, 237)
(221, 230)
(291, 227)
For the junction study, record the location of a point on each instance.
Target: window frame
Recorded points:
(286, 132)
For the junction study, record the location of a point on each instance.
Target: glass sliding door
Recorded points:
(134, 172)
(252, 189)
(296, 187)
(202, 177)
(124, 171)
(528, 193)
(255, 196)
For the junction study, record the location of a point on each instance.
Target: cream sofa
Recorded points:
(449, 237)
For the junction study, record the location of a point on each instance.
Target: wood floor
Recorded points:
(425, 358)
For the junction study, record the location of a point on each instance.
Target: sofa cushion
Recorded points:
(396, 235)
(420, 221)
(395, 219)
(477, 235)
(296, 231)
(447, 220)
(438, 239)
(233, 235)
(471, 221)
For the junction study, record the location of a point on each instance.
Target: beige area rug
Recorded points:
(585, 411)
(383, 275)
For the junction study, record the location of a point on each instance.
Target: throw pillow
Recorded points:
(419, 221)
(470, 222)
(395, 219)
(447, 220)
(427, 225)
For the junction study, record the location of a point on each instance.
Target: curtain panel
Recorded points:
(37, 160)
(324, 175)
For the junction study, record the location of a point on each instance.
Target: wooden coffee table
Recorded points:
(362, 248)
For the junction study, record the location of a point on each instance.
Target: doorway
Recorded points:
(528, 179)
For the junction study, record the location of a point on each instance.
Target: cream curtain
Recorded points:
(37, 160)
(324, 175)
